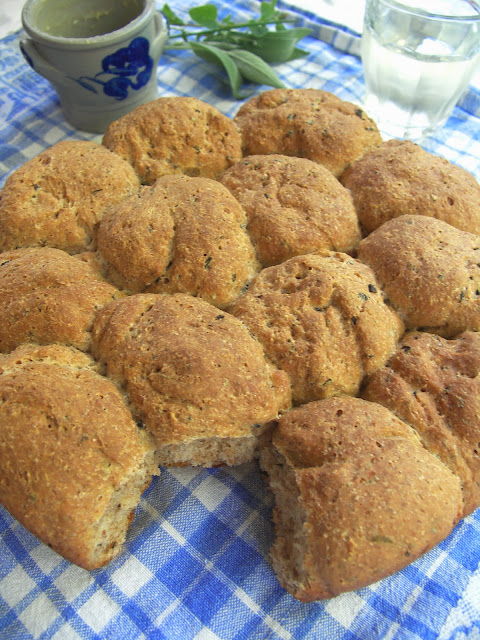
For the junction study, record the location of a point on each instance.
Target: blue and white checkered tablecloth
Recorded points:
(195, 565)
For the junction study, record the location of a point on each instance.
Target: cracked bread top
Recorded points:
(57, 198)
(49, 296)
(306, 123)
(430, 272)
(293, 206)
(191, 372)
(399, 177)
(175, 135)
(433, 384)
(323, 319)
(183, 234)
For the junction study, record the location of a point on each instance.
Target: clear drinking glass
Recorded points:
(418, 57)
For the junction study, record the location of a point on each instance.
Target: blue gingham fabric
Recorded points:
(196, 565)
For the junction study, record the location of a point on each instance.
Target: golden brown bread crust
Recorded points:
(321, 318)
(49, 296)
(57, 198)
(294, 206)
(196, 376)
(357, 497)
(400, 177)
(183, 235)
(306, 123)
(74, 463)
(175, 135)
(430, 272)
(192, 374)
(433, 384)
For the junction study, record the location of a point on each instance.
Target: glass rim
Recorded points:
(405, 6)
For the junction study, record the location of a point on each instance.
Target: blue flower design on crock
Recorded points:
(128, 68)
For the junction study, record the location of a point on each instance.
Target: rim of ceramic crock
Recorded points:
(110, 38)
(405, 6)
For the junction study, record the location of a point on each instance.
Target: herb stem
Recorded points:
(229, 28)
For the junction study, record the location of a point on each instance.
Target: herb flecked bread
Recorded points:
(74, 462)
(164, 300)
(357, 496)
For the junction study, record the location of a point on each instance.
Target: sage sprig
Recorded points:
(244, 50)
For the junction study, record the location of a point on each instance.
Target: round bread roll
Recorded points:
(183, 235)
(57, 198)
(194, 376)
(294, 206)
(74, 463)
(306, 123)
(433, 384)
(357, 497)
(175, 135)
(321, 318)
(49, 296)
(430, 272)
(400, 177)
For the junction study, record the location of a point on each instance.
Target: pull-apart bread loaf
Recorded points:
(57, 198)
(167, 296)
(306, 123)
(194, 376)
(357, 496)
(430, 272)
(175, 135)
(185, 235)
(74, 463)
(399, 178)
(294, 206)
(323, 319)
(49, 296)
(434, 384)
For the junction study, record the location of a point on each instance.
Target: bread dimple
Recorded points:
(357, 497)
(183, 234)
(433, 384)
(74, 463)
(57, 198)
(191, 372)
(321, 318)
(306, 123)
(429, 270)
(294, 206)
(399, 177)
(49, 296)
(175, 135)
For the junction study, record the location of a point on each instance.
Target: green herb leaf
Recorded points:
(205, 15)
(297, 53)
(267, 9)
(217, 56)
(171, 16)
(278, 46)
(254, 69)
(244, 50)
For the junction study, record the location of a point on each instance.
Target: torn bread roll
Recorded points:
(74, 462)
(357, 497)
(194, 375)
(433, 384)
